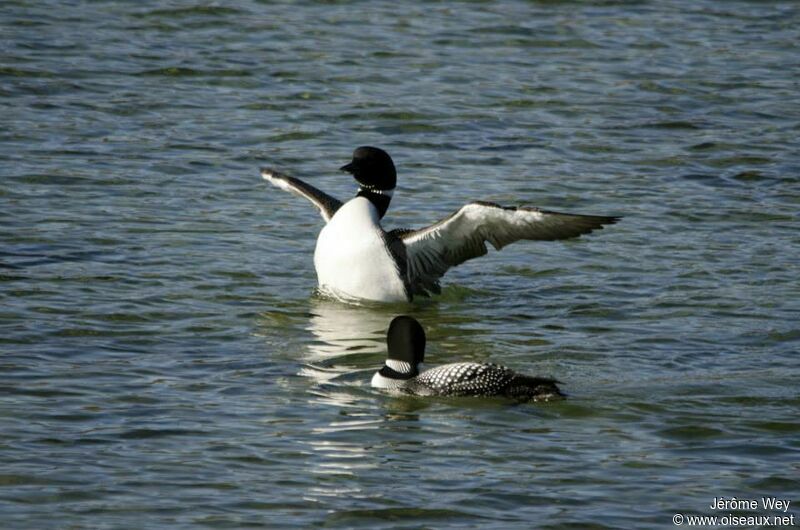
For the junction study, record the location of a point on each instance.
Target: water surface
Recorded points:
(164, 362)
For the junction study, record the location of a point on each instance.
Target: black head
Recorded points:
(406, 340)
(372, 168)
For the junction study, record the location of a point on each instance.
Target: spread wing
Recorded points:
(327, 205)
(463, 235)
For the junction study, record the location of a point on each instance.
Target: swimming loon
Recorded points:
(406, 345)
(355, 258)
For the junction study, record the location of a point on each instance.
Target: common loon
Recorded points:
(401, 373)
(355, 258)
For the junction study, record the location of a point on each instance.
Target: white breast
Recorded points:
(351, 257)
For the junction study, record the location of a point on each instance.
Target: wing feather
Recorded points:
(463, 235)
(326, 204)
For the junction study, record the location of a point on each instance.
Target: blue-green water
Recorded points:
(165, 364)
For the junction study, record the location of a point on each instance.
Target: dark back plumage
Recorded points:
(484, 380)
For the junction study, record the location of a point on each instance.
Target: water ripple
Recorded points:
(165, 360)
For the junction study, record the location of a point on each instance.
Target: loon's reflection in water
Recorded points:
(342, 329)
(348, 341)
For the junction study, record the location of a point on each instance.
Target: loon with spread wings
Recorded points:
(357, 259)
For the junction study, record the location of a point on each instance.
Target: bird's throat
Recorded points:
(381, 200)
